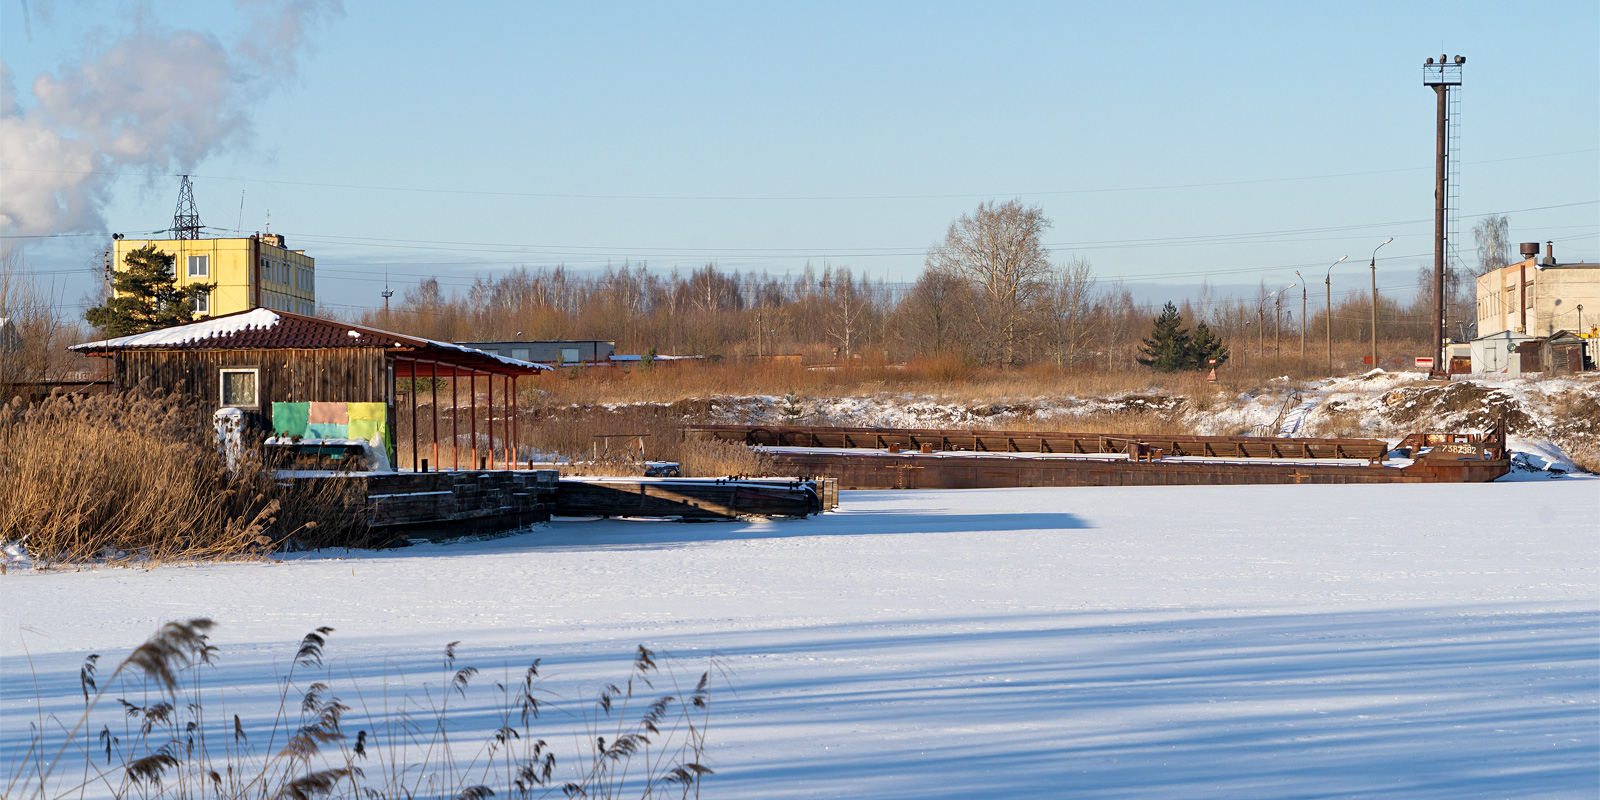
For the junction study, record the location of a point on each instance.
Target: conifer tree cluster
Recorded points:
(147, 296)
(1173, 348)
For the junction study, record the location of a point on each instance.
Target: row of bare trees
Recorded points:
(990, 293)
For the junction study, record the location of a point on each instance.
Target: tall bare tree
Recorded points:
(849, 305)
(1068, 304)
(1492, 235)
(999, 248)
(934, 313)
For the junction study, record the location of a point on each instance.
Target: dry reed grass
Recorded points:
(618, 441)
(946, 377)
(163, 742)
(1585, 454)
(133, 477)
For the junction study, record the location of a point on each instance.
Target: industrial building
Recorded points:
(1540, 297)
(561, 353)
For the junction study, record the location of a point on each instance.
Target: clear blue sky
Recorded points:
(760, 136)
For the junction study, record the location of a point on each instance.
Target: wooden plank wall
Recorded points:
(333, 375)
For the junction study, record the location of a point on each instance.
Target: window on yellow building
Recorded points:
(199, 266)
(202, 304)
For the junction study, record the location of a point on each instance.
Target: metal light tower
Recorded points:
(1441, 76)
(186, 220)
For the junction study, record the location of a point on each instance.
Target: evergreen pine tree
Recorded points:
(1205, 346)
(147, 296)
(1167, 349)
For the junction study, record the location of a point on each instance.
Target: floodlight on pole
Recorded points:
(1327, 283)
(1442, 77)
(1375, 301)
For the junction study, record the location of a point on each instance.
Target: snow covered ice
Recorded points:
(1413, 641)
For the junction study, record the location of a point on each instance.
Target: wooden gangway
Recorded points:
(691, 498)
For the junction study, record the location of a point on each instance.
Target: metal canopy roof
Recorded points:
(263, 329)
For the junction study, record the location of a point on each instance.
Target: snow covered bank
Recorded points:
(1552, 416)
(1424, 641)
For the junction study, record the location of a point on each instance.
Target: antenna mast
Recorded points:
(387, 293)
(186, 220)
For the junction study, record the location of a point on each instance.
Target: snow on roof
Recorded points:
(515, 362)
(249, 329)
(257, 319)
(620, 357)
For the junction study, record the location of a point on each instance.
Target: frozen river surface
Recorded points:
(1422, 641)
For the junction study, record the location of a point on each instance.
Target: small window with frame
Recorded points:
(241, 388)
(569, 355)
(202, 303)
(199, 266)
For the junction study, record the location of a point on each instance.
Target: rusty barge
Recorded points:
(897, 458)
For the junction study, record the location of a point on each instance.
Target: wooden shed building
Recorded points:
(297, 375)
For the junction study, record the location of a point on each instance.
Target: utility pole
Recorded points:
(1441, 77)
(1375, 250)
(387, 293)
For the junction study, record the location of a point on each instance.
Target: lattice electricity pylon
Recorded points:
(186, 220)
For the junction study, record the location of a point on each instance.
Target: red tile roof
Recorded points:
(263, 329)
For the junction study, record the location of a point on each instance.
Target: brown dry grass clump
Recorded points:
(134, 477)
(943, 378)
(948, 377)
(1124, 421)
(1575, 416)
(706, 459)
(602, 441)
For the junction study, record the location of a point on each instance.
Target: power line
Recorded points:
(798, 198)
(825, 252)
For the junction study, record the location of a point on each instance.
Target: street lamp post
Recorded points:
(1327, 284)
(1261, 325)
(1261, 320)
(1375, 301)
(1277, 327)
(1303, 321)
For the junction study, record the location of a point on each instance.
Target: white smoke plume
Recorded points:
(151, 101)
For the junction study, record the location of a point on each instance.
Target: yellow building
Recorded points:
(252, 272)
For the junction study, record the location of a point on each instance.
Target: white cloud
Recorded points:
(153, 100)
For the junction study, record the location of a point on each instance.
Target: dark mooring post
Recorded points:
(455, 420)
(1441, 77)
(434, 389)
(415, 439)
